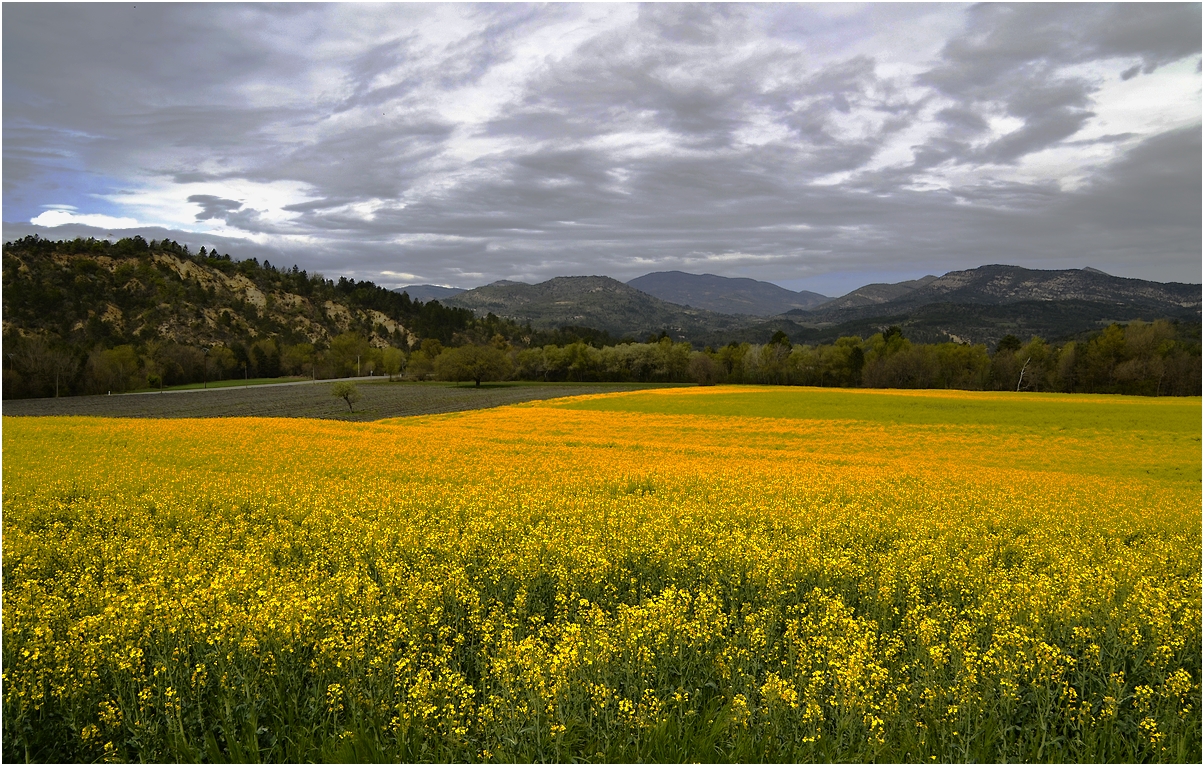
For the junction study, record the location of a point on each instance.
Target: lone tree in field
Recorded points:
(393, 362)
(346, 391)
(475, 363)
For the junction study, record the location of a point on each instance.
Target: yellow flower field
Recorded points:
(625, 577)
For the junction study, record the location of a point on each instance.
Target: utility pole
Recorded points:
(357, 365)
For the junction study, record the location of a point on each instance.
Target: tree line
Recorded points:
(1142, 358)
(36, 368)
(1158, 358)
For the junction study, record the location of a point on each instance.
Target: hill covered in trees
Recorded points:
(983, 305)
(725, 295)
(599, 302)
(89, 316)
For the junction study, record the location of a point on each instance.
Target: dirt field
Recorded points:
(379, 400)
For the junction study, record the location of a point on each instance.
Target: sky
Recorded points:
(817, 146)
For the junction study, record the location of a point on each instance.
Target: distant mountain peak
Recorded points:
(599, 302)
(726, 295)
(999, 285)
(876, 294)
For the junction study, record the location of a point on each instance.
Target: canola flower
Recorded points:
(572, 580)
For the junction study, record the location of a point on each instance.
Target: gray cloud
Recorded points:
(1147, 188)
(214, 207)
(1011, 54)
(462, 144)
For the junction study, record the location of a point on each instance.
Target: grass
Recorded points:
(668, 575)
(1051, 412)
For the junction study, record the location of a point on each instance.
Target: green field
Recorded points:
(1055, 412)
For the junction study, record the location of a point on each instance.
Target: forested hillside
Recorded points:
(725, 295)
(90, 316)
(599, 302)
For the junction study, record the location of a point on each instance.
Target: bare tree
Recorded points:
(33, 360)
(1022, 369)
(61, 365)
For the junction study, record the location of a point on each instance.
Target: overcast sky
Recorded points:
(817, 146)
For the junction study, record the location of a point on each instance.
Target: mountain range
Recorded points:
(984, 304)
(726, 295)
(722, 295)
(999, 285)
(597, 302)
(975, 305)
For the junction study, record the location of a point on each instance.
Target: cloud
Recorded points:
(1025, 62)
(1147, 188)
(61, 217)
(451, 143)
(214, 207)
